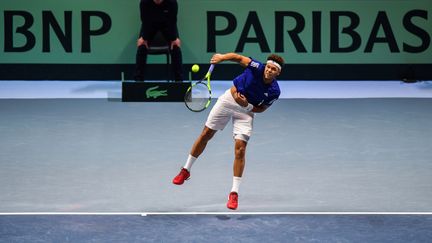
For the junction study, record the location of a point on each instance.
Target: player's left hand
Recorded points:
(241, 100)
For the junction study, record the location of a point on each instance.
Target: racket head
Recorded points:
(198, 97)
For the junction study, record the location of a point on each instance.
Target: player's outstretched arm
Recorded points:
(234, 57)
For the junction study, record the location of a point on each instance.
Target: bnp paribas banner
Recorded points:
(304, 31)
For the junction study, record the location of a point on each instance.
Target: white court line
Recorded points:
(67, 213)
(286, 213)
(210, 213)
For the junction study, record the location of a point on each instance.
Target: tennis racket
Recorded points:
(198, 95)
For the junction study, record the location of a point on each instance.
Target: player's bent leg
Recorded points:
(196, 151)
(201, 142)
(238, 167)
(239, 157)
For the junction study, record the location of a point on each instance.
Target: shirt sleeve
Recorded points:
(256, 67)
(251, 69)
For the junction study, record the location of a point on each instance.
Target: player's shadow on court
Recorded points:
(234, 217)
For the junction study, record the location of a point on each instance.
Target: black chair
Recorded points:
(160, 46)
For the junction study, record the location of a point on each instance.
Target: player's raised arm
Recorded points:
(234, 57)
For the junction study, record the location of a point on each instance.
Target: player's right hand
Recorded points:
(216, 58)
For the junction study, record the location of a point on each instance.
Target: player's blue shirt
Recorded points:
(251, 84)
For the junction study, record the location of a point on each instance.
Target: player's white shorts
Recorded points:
(225, 109)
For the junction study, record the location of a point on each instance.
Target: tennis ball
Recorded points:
(195, 68)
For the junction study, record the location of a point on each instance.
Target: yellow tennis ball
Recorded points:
(195, 68)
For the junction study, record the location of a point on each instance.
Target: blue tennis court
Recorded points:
(347, 165)
(216, 228)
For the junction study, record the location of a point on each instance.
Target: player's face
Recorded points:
(158, 1)
(271, 71)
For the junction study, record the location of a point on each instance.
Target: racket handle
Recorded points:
(211, 68)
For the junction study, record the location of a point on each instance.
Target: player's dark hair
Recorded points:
(277, 59)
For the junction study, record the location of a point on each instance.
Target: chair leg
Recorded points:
(168, 67)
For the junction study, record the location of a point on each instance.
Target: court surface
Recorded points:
(80, 150)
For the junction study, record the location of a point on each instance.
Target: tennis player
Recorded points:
(253, 92)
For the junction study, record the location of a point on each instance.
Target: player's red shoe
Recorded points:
(232, 201)
(181, 177)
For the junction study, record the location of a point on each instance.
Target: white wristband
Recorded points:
(249, 107)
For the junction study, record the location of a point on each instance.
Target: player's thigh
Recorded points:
(218, 116)
(243, 123)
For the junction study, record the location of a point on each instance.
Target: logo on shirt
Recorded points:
(254, 64)
(266, 94)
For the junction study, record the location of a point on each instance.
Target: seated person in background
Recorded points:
(158, 15)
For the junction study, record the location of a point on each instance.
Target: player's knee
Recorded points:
(240, 152)
(242, 137)
(206, 137)
(207, 134)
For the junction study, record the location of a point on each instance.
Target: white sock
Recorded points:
(236, 184)
(189, 162)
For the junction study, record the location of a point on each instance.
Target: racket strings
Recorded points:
(197, 97)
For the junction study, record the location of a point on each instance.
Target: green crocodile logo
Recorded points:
(154, 93)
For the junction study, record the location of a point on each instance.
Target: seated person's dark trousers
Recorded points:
(141, 63)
